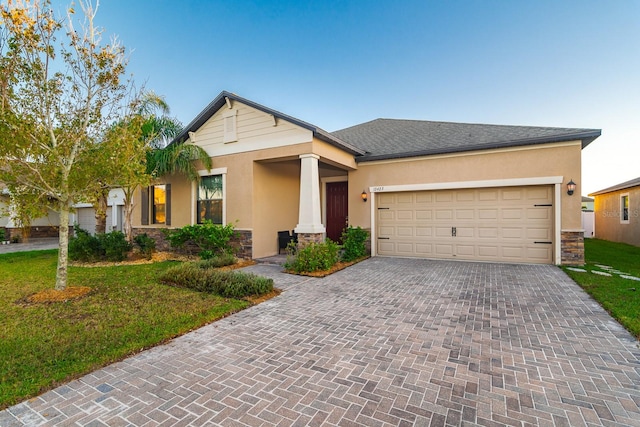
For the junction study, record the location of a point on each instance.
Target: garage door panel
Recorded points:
(405, 248)
(465, 196)
(488, 232)
(465, 250)
(541, 252)
(536, 213)
(424, 231)
(464, 214)
(490, 214)
(488, 251)
(443, 232)
(512, 214)
(405, 232)
(386, 215)
(404, 215)
(424, 249)
(424, 215)
(444, 214)
(539, 234)
(491, 224)
(443, 250)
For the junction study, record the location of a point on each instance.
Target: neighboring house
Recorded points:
(617, 212)
(46, 226)
(85, 215)
(422, 189)
(587, 203)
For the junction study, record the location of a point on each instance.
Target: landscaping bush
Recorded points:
(146, 244)
(211, 239)
(314, 257)
(217, 261)
(229, 284)
(114, 245)
(84, 247)
(353, 243)
(111, 246)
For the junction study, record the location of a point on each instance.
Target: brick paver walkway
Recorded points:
(388, 342)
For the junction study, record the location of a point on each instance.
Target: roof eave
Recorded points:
(585, 137)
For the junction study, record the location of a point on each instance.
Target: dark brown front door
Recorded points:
(337, 209)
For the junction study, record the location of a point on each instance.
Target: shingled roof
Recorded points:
(623, 186)
(390, 138)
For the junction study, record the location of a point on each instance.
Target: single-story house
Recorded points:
(421, 188)
(587, 203)
(47, 226)
(617, 212)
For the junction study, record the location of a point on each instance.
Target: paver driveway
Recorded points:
(387, 342)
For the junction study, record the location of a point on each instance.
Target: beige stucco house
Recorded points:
(422, 189)
(617, 212)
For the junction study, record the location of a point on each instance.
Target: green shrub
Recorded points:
(314, 257)
(114, 245)
(1, 234)
(84, 247)
(211, 239)
(217, 261)
(353, 243)
(146, 244)
(111, 246)
(229, 284)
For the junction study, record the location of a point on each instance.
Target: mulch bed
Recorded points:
(324, 273)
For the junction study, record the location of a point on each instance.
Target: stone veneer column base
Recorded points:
(304, 239)
(572, 247)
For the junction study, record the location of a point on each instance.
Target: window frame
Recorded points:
(195, 191)
(154, 218)
(623, 197)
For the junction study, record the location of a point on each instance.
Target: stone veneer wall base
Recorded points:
(242, 243)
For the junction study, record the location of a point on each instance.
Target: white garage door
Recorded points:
(511, 224)
(86, 218)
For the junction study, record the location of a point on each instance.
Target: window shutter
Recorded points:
(144, 206)
(167, 205)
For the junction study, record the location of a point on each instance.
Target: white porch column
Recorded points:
(309, 213)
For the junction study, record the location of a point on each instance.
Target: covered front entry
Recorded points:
(337, 209)
(510, 224)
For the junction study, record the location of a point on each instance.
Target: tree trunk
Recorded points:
(101, 211)
(128, 212)
(63, 248)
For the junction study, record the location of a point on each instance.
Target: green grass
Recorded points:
(620, 297)
(44, 345)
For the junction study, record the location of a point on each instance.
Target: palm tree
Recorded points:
(162, 159)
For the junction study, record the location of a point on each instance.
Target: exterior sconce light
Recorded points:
(364, 196)
(571, 187)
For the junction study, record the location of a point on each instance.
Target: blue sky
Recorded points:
(339, 63)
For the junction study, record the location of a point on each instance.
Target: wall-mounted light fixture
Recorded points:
(571, 187)
(364, 196)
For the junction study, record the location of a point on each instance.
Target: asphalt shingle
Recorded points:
(391, 138)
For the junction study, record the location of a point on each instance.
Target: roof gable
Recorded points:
(221, 101)
(390, 138)
(623, 186)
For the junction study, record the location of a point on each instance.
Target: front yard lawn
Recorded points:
(618, 295)
(127, 310)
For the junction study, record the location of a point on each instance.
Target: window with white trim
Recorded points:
(624, 208)
(210, 199)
